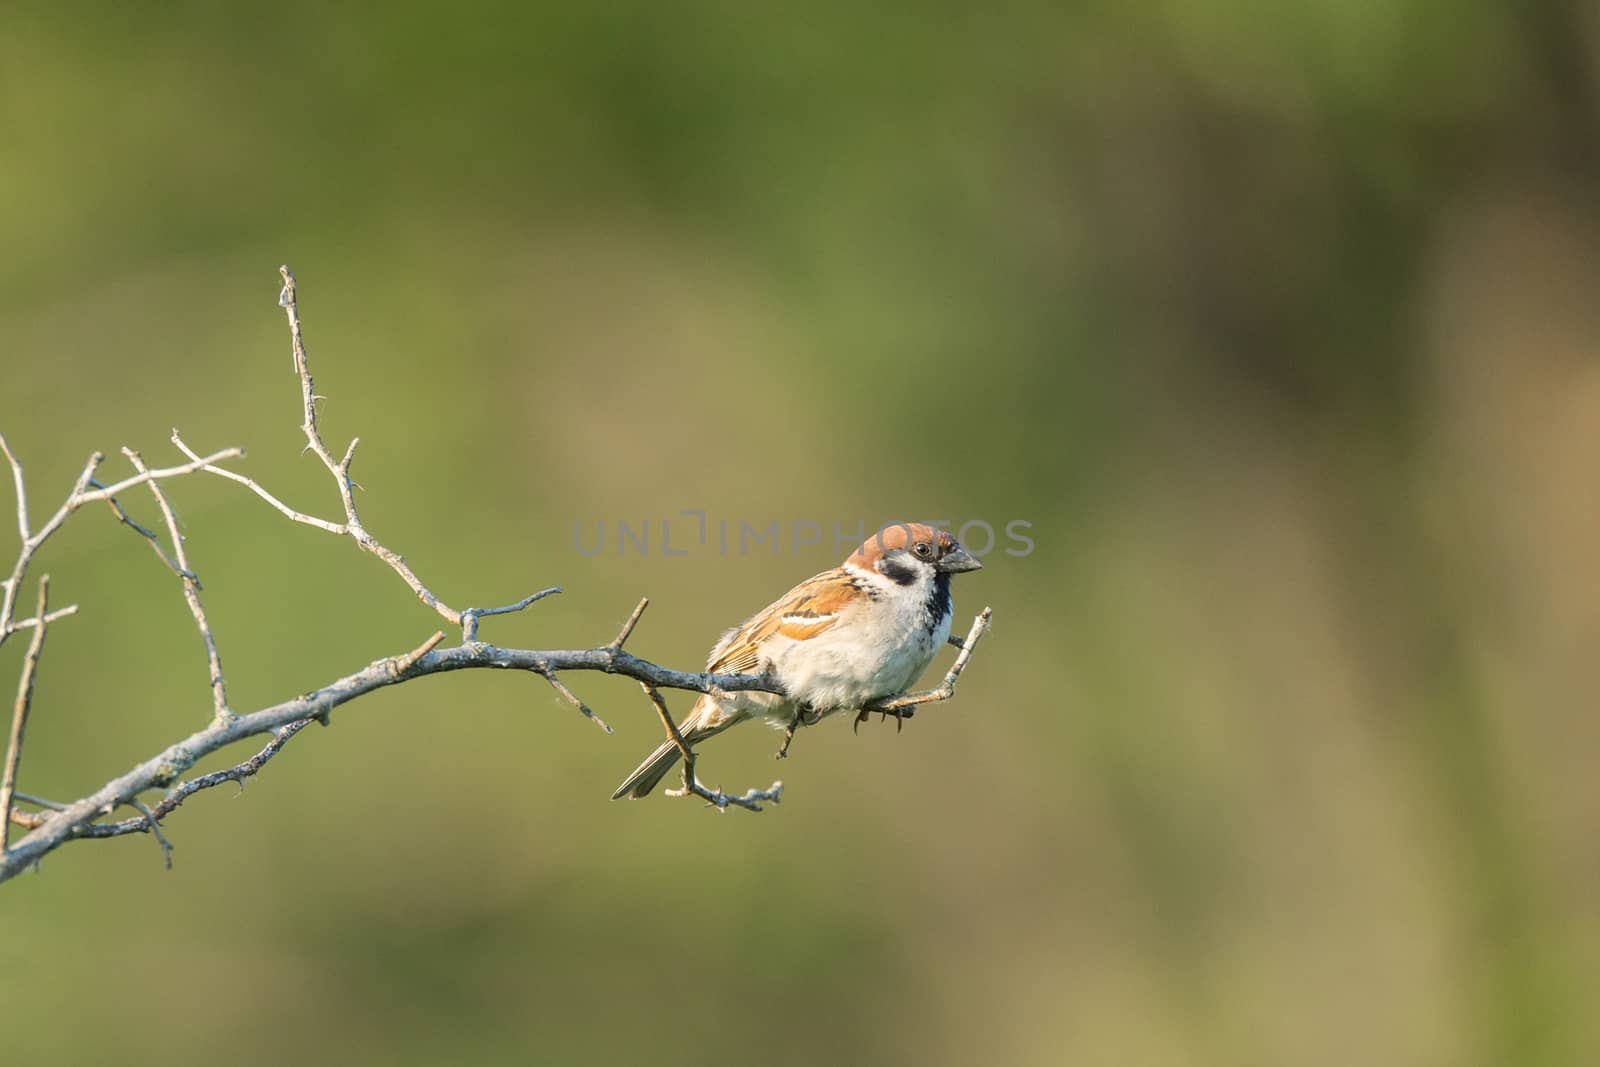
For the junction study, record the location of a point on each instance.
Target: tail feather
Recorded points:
(650, 772)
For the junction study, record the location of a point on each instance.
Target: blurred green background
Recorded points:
(1277, 322)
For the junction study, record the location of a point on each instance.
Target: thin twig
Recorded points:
(39, 802)
(572, 698)
(340, 469)
(148, 534)
(153, 474)
(191, 592)
(627, 627)
(153, 826)
(352, 527)
(251, 484)
(184, 790)
(470, 616)
(750, 800)
(31, 819)
(19, 714)
(401, 664)
(22, 489)
(59, 613)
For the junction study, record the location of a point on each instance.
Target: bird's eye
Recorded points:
(923, 550)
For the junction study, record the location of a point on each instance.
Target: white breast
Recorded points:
(880, 648)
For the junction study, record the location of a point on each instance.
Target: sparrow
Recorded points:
(863, 631)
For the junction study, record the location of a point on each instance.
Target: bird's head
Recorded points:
(906, 551)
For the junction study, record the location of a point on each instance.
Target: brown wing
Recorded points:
(809, 609)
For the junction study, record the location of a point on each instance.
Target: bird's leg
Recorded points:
(788, 736)
(805, 715)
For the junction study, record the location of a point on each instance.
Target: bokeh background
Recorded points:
(1276, 322)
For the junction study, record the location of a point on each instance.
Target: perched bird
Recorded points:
(862, 631)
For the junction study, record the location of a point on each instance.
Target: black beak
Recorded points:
(956, 560)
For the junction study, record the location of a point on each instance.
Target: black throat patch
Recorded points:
(938, 602)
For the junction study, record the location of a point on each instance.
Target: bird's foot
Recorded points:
(900, 717)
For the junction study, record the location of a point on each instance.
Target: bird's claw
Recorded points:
(900, 717)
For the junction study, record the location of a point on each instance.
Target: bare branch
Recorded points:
(167, 766)
(750, 800)
(19, 714)
(340, 469)
(352, 527)
(191, 593)
(288, 300)
(77, 498)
